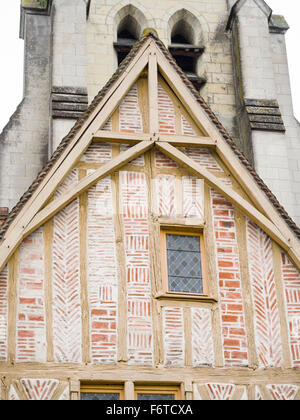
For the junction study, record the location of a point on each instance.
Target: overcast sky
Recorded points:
(11, 53)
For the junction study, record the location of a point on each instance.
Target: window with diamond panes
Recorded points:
(184, 264)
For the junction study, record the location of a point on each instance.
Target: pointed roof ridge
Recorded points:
(213, 118)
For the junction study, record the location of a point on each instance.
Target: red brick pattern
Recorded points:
(130, 117)
(163, 161)
(283, 392)
(229, 279)
(291, 281)
(66, 279)
(166, 112)
(39, 389)
(266, 312)
(102, 273)
(165, 195)
(187, 129)
(31, 329)
(204, 157)
(3, 313)
(134, 209)
(98, 153)
(108, 125)
(173, 333)
(223, 392)
(193, 202)
(219, 392)
(202, 338)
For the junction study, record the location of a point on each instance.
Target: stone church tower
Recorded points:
(152, 173)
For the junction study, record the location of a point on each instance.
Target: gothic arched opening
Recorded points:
(128, 33)
(184, 46)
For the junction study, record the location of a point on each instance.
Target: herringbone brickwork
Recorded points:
(67, 329)
(283, 392)
(193, 199)
(165, 195)
(202, 337)
(266, 312)
(291, 281)
(39, 389)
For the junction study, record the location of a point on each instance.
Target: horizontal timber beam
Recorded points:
(188, 141)
(133, 138)
(267, 225)
(116, 137)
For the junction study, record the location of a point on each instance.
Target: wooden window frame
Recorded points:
(103, 389)
(165, 293)
(157, 389)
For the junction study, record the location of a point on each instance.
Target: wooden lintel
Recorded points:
(117, 137)
(262, 221)
(188, 141)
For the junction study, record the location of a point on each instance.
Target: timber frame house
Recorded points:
(148, 157)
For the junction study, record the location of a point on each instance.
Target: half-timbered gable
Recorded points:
(148, 251)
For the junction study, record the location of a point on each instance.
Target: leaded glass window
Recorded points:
(99, 396)
(184, 263)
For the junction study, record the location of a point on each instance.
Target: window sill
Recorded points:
(186, 296)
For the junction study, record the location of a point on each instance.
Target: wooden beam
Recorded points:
(12, 307)
(188, 141)
(8, 247)
(268, 226)
(153, 92)
(117, 137)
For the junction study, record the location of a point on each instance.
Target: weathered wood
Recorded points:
(284, 328)
(85, 313)
(13, 266)
(122, 354)
(246, 287)
(48, 238)
(209, 241)
(188, 141)
(116, 137)
(153, 92)
(188, 336)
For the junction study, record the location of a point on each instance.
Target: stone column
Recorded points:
(69, 85)
(262, 128)
(24, 140)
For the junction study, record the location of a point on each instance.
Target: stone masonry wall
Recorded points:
(210, 16)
